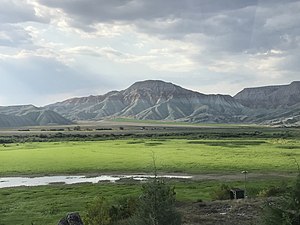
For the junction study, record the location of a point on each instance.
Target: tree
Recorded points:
(157, 204)
(77, 128)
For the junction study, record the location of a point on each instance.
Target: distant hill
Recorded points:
(158, 100)
(270, 97)
(29, 115)
(154, 100)
(276, 105)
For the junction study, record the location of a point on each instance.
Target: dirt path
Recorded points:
(240, 176)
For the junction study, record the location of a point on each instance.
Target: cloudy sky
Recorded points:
(51, 50)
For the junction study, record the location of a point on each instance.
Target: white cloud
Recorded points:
(221, 45)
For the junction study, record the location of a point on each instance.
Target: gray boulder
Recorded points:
(71, 219)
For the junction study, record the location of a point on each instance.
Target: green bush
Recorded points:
(221, 193)
(123, 209)
(97, 212)
(157, 205)
(273, 191)
(284, 210)
(101, 212)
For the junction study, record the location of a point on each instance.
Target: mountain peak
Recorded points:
(154, 85)
(295, 83)
(155, 100)
(160, 100)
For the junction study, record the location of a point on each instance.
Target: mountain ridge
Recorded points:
(29, 115)
(160, 100)
(270, 97)
(274, 105)
(152, 99)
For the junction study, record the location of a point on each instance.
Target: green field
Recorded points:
(47, 204)
(135, 155)
(218, 156)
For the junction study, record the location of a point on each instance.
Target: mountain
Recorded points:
(270, 97)
(29, 115)
(158, 100)
(154, 100)
(277, 105)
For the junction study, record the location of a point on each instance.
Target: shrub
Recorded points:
(157, 205)
(286, 209)
(97, 212)
(124, 208)
(272, 191)
(221, 193)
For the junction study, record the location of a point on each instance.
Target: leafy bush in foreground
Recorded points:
(221, 193)
(97, 212)
(155, 206)
(285, 210)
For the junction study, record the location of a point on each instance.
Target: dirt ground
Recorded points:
(229, 212)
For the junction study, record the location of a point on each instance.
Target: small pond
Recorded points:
(6, 182)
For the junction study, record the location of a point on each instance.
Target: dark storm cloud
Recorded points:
(227, 30)
(221, 25)
(93, 11)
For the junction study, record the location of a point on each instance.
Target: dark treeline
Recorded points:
(192, 135)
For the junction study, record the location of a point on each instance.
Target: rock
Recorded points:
(270, 97)
(63, 221)
(71, 219)
(153, 100)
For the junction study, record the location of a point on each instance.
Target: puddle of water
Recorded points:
(6, 182)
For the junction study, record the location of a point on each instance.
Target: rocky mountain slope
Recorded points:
(29, 115)
(277, 105)
(154, 100)
(159, 100)
(270, 97)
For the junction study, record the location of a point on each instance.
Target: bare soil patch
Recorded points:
(229, 212)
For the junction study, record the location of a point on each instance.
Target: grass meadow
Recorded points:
(135, 156)
(47, 204)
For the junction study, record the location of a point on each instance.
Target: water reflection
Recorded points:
(6, 182)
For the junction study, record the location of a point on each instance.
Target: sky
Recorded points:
(51, 50)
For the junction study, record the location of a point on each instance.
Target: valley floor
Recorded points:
(213, 156)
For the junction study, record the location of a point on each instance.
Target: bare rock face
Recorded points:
(71, 219)
(29, 115)
(159, 100)
(273, 105)
(270, 97)
(154, 100)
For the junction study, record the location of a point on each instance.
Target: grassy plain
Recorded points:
(47, 204)
(135, 155)
(218, 151)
